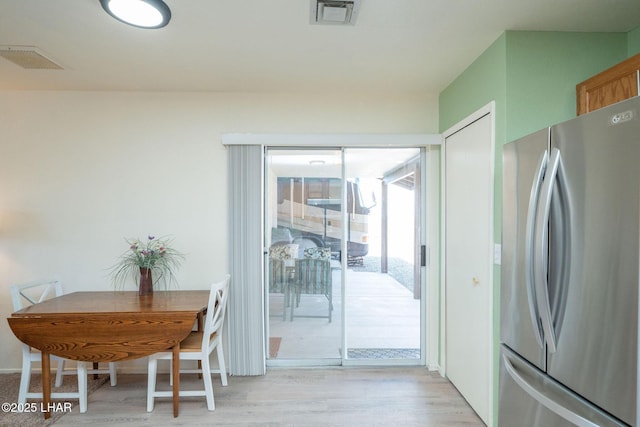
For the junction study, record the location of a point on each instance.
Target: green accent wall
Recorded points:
(633, 41)
(482, 82)
(532, 78)
(543, 69)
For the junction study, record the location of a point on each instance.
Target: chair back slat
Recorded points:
(24, 295)
(313, 276)
(216, 310)
(277, 276)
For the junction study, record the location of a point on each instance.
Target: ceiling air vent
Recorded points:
(334, 12)
(28, 57)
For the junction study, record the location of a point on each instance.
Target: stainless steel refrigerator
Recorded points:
(570, 253)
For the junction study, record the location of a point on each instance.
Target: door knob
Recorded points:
(475, 281)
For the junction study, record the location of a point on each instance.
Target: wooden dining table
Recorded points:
(109, 327)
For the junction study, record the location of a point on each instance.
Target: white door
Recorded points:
(468, 279)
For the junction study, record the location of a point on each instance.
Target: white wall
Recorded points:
(81, 171)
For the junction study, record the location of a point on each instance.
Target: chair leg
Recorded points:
(208, 384)
(293, 298)
(59, 372)
(221, 364)
(25, 378)
(113, 376)
(286, 302)
(82, 386)
(151, 383)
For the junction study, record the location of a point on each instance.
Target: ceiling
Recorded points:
(397, 46)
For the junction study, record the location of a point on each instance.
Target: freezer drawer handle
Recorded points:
(529, 241)
(543, 399)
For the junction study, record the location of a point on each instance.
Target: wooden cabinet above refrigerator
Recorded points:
(613, 85)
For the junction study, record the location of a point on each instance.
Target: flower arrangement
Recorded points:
(154, 258)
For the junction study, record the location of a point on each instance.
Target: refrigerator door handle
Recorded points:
(543, 399)
(529, 246)
(540, 255)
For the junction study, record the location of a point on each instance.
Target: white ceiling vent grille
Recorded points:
(334, 12)
(28, 57)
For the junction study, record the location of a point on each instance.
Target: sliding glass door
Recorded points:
(342, 264)
(304, 235)
(383, 292)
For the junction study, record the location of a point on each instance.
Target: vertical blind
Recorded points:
(246, 298)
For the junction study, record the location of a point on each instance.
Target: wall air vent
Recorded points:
(28, 57)
(334, 12)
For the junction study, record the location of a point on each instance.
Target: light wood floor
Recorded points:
(327, 396)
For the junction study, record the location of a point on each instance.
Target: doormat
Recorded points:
(274, 346)
(384, 353)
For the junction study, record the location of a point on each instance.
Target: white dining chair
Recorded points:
(198, 346)
(313, 277)
(27, 294)
(23, 295)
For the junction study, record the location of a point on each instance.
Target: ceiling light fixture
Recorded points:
(139, 13)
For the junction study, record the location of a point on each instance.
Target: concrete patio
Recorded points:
(383, 321)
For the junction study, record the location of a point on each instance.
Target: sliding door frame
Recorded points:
(429, 304)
